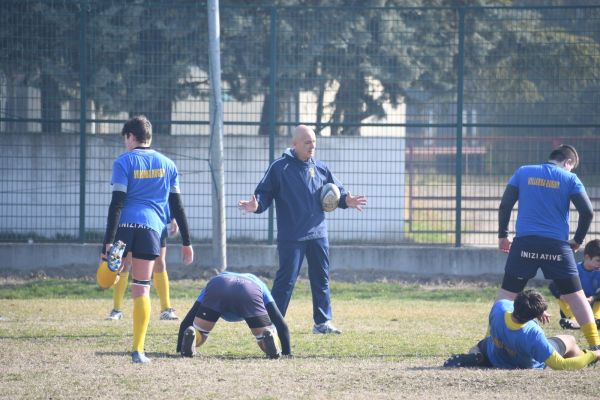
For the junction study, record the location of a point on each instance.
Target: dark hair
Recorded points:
(140, 127)
(564, 152)
(529, 304)
(592, 249)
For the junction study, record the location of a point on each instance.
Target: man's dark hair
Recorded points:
(529, 304)
(140, 127)
(564, 152)
(592, 249)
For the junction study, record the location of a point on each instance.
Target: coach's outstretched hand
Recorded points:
(357, 202)
(248, 205)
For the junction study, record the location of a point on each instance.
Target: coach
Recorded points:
(294, 181)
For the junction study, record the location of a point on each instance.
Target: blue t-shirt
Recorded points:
(590, 280)
(266, 293)
(544, 197)
(147, 177)
(525, 347)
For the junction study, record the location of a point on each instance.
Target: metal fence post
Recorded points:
(84, 9)
(272, 104)
(459, 124)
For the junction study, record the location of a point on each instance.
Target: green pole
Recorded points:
(82, 115)
(459, 123)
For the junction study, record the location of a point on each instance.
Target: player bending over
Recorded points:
(235, 297)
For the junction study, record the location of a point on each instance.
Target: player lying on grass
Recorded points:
(589, 275)
(235, 297)
(517, 341)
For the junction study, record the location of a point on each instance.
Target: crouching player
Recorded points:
(235, 297)
(516, 341)
(589, 275)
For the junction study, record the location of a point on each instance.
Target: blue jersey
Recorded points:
(266, 294)
(147, 177)
(544, 197)
(295, 186)
(590, 280)
(512, 345)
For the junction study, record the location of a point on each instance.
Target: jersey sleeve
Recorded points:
(266, 190)
(576, 186)
(267, 296)
(541, 349)
(556, 361)
(120, 176)
(174, 180)
(514, 179)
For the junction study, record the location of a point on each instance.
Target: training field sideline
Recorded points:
(55, 344)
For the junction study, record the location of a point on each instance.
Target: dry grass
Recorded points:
(390, 349)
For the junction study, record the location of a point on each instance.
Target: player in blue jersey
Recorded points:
(294, 181)
(589, 276)
(235, 297)
(517, 341)
(145, 185)
(544, 193)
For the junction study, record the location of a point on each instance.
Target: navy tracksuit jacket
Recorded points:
(295, 186)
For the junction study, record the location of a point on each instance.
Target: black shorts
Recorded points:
(142, 242)
(234, 296)
(530, 253)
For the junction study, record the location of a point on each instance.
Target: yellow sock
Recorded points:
(596, 309)
(161, 283)
(119, 291)
(141, 318)
(590, 331)
(566, 309)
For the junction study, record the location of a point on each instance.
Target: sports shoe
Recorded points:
(464, 360)
(115, 315)
(138, 357)
(169, 315)
(188, 343)
(269, 345)
(325, 328)
(567, 323)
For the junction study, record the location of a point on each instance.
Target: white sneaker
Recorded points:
(115, 315)
(169, 315)
(325, 328)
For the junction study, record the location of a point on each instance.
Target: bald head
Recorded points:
(304, 142)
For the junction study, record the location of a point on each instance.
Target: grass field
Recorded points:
(55, 344)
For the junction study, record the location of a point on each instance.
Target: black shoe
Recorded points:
(567, 323)
(465, 360)
(598, 324)
(188, 343)
(270, 346)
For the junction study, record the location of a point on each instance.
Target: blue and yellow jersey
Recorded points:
(267, 297)
(544, 197)
(147, 177)
(590, 280)
(511, 345)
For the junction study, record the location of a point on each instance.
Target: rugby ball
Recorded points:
(330, 197)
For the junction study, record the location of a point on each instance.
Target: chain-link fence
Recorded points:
(427, 111)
